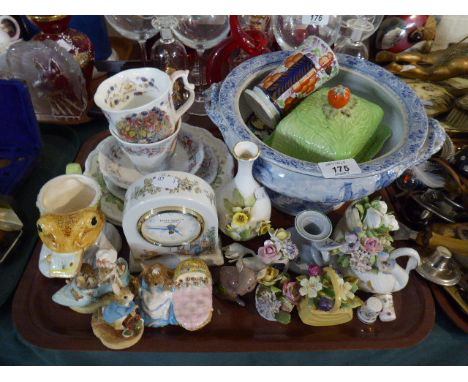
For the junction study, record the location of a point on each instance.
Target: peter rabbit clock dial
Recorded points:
(171, 226)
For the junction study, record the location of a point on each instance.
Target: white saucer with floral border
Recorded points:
(208, 169)
(115, 190)
(112, 206)
(117, 167)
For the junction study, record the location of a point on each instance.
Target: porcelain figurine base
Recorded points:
(112, 338)
(94, 307)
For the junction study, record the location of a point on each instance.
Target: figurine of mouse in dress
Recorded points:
(155, 295)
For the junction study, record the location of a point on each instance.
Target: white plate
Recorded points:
(115, 190)
(225, 159)
(112, 206)
(209, 168)
(116, 166)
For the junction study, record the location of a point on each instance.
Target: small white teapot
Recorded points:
(392, 281)
(367, 254)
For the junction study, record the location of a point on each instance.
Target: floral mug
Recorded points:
(138, 104)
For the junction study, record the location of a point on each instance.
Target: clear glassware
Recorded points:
(355, 30)
(169, 54)
(291, 31)
(138, 28)
(200, 33)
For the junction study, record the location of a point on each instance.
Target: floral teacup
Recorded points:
(150, 157)
(138, 104)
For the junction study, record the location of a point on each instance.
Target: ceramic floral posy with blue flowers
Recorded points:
(366, 240)
(367, 252)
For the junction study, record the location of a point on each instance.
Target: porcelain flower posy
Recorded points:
(323, 290)
(370, 236)
(372, 245)
(384, 263)
(276, 295)
(270, 252)
(373, 218)
(360, 261)
(268, 276)
(346, 290)
(390, 222)
(279, 249)
(291, 291)
(310, 287)
(375, 215)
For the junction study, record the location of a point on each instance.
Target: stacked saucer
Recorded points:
(197, 152)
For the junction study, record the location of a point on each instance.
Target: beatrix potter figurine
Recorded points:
(155, 295)
(100, 274)
(94, 286)
(118, 325)
(244, 208)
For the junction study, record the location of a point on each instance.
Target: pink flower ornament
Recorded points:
(372, 245)
(269, 253)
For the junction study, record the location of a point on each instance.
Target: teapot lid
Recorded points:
(440, 268)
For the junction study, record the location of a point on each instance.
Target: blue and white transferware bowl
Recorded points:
(295, 185)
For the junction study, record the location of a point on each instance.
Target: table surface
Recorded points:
(445, 345)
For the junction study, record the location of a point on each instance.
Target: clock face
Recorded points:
(170, 228)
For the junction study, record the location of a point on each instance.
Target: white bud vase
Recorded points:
(244, 208)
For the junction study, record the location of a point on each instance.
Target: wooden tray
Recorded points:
(450, 307)
(233, 328)
(45, 324)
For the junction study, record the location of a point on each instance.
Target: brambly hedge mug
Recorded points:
(70, 222)
(138, 104)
